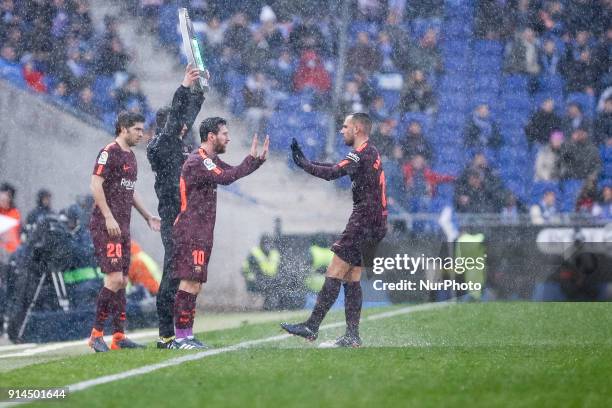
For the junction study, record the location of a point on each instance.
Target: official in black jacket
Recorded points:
(167, 152)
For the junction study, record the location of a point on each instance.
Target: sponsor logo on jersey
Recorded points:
(208, 163)
(352, 156)
(128, 184)
(103, 157)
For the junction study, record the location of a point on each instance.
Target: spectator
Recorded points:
(214, 30)
(112, 57)
(43, 207)
(575, 119)
(512, 208)
(350, 101)
(311, 74)
(587, 197)
(386, 51)
(238, 36)
(546, 211)
(602, 128)
(521, 56)
(256, 92)
(421, 183)
(414, 143)
(547, 166)
(417, 95)
(425, 56)
(86, 104)
(579, 157)
(384, 138)
(481, 131)
(32, 76)
(9, 240)
(60, 93)
(364, 55)
(9, 66)
(489, 19)
(602, 58)
(472, 196)
(378, 109)
(269, 30)
(550, 60)
(603, 207)
(542, 123)
(281, 72)
(132, 92)
(489, 184)
(581, 74)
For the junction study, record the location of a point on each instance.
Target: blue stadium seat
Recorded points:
(391, 98)
(168, 18)
(515, 83)
(552, 83)
(488, 48)
(487, 82)
(570, 189)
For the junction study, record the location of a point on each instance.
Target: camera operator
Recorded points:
(82, 276)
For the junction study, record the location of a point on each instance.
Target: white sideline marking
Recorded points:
(11, 347)
(58, 346)
(83, 385)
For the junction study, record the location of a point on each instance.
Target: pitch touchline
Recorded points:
(83, 385)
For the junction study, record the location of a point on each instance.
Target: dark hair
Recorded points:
(8, 188)
(364, 120)
(162, 116)
(211, 125)
(127, 120)
(41, 195)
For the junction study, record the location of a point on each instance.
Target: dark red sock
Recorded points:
(119, 312)
(104, 306)
(184, 313)
(325, 299)
(353, 297)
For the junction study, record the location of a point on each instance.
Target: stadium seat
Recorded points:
(488, 48)
(515, 83)
(570, 189)
(551, 83)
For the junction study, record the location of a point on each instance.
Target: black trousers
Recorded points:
(168, 285)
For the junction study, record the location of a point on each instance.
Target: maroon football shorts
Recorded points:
(113, 254)
(191, 260)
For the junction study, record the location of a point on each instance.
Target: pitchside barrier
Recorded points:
(487, 258)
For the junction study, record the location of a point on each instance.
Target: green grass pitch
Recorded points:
(480, 355)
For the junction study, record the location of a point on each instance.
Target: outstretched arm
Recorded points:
(185, 104)
(326, 171)
(225, 174)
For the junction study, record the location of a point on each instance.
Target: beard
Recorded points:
(219, 147)
(349, 140)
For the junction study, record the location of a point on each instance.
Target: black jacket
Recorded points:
(167, 152)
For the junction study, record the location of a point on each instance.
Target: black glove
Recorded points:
(297, 153)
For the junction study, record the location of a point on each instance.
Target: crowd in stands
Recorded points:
(52, 48)
(488, 106)
(406, 64)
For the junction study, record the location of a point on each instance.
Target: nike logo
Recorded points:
(126, 167)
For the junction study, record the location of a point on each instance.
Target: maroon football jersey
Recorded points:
(198, 188)
(364, 167)
(119, 170)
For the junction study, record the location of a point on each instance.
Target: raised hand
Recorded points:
(296, 153)
(254, 143)
(266, 147)
(191, 76)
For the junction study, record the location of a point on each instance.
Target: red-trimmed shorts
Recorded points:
(358, 242)
(190, 260)
(113, 254)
